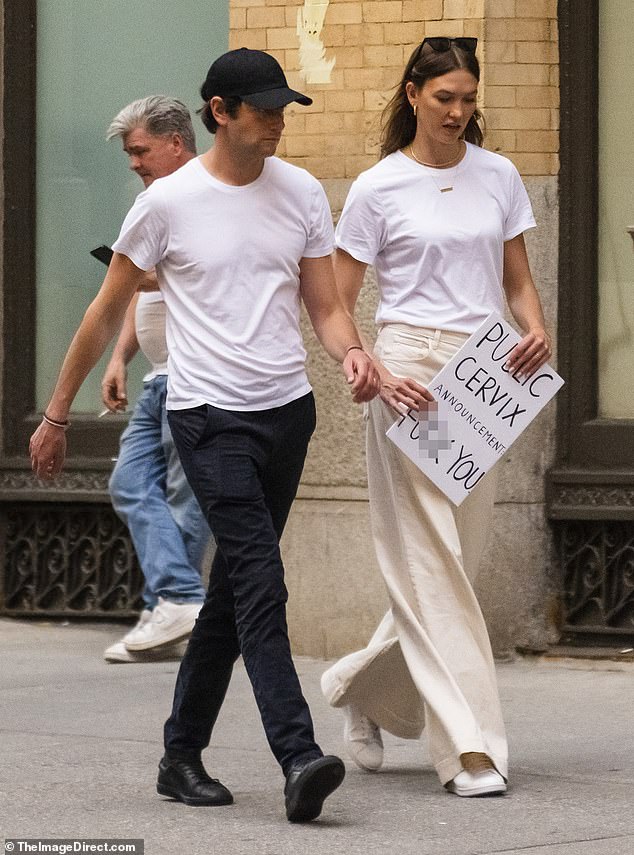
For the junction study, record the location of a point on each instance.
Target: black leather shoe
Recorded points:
(186, 781)
(308, 784)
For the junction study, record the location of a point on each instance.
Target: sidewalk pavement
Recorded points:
(81, 739)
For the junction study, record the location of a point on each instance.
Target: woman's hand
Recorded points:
(533, 351)
(402, 392)
(535, 348)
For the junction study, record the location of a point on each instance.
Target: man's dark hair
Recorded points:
(231, 102)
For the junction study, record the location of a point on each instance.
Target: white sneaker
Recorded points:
(362, 738)
(144, 617)
(118, 653)
(169, 622)
(480, 779)
(469, 784)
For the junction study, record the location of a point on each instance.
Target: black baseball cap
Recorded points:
(256, 77)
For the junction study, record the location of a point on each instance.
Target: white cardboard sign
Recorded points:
(481, 410)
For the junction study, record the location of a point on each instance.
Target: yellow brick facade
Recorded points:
(371, 41)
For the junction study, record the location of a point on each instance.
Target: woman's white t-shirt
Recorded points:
(438, 255)
(227, 262)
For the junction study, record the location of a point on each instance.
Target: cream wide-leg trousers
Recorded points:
(429, 663)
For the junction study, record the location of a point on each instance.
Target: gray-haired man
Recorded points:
(148, 487)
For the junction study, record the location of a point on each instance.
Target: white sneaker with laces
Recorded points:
(362, 738)
(469, 784)
(479, 778)
(169, 622)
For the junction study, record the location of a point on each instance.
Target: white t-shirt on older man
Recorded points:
(438, 255)
(227, 261)
(149, 324)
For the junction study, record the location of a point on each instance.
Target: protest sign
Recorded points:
(480, 410)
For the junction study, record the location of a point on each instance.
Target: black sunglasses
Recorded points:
(441, 44)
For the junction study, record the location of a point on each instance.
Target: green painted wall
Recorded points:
(92, 60)
(616, 210)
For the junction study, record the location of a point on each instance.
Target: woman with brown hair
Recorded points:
(442, 221)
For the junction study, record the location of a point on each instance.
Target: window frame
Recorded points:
(93, 442)
(593, 477)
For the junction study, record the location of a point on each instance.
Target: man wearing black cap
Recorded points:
(238, 238)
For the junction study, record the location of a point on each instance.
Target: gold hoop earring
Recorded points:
(414, 109)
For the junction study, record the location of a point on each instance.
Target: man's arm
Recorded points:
(101, 321)
(397, 392)
(114, 391)
(334, 327)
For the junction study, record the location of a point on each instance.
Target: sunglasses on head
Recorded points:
(441, 44)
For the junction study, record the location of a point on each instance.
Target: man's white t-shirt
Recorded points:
(438, 256)
(149, 323)
(227, 262)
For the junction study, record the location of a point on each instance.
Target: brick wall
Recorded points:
(370, 42)
(335, 139)
(521, 83)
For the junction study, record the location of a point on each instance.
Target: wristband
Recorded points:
(61, 425)
(354, 347)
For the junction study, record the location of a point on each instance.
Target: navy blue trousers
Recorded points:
(244, 468)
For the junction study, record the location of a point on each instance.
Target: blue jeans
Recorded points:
(151, 495)
(244, 468)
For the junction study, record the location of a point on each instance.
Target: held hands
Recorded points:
(48, 450)
(361, 374)
(400, 392)
(529, 354)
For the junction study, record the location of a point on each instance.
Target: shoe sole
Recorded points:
(314, 785)
(162, 656)
(171, 638)
(478, 792)
(162, 790)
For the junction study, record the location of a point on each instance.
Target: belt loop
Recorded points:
(437, 334)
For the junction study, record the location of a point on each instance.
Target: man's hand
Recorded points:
(102, 319)
(361, 374)
(48, 451)
(403, 392)
(529, 354)
(114, 391)
(149, 282)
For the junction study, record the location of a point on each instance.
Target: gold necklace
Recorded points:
(448, 188)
